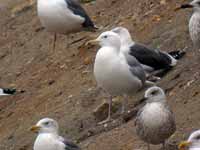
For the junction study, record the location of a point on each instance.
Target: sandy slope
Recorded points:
(57, 83)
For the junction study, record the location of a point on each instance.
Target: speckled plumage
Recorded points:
(155, 121)
(194, 29)
(194, 23)
(157, 126)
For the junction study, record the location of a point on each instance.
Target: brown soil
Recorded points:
(60, 85)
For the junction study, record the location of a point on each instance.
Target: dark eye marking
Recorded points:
(105, 36)
(46, 123)
(154, 92)
(198, 137)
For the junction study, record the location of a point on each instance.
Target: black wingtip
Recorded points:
(9, 91)
(177, 54)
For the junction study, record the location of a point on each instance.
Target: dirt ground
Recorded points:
(60, 84)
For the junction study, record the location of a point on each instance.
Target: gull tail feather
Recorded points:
(177, 54)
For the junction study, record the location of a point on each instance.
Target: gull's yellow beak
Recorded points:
(183, 145)
(184, 6)
(93, 42)
(35, 128)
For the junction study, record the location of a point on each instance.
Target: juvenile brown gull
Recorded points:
(155, 121)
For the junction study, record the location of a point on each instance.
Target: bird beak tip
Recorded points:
(92, 42)
(35, 129)
(183, 145)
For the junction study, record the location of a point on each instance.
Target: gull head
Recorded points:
(124, 35)
(192, 142)
(195, 4)
(107, 38)
(154, 94)
(46, 125)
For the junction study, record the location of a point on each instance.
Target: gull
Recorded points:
(193, 142)
(7, 91)
(114, 73)
(155, 121)
(194, 23)
(48, 137)
(150, 59)
(63, 17)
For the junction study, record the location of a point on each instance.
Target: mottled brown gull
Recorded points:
(155, 121)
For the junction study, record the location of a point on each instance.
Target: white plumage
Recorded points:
(48, 138)
(56, 17)
(113, 72)
(48, 141)
(193, 142)
(63, 16)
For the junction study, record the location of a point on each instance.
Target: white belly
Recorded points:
(47, 142)
(194, 148)
(113, 75)
(55, 17)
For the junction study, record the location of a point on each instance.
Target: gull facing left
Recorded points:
(48, 137)
(113, 72)
(63, 17)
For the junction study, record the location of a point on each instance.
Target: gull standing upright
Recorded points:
(48, 138)
(193, 142)
(194, 23)
(113, 72)
(150, 59)
(63, 16)
(155, 121)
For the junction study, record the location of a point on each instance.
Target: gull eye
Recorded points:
(46, 123)
(105, 37)
(198, 137)
(154, 93)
